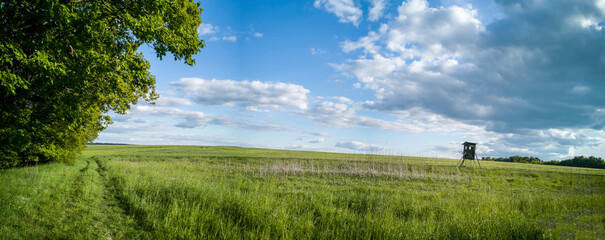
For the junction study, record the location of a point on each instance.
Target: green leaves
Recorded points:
(65, 64)
(9, 55)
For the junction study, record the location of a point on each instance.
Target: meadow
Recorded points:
(199, 192)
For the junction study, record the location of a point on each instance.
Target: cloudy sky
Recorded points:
(411, 77)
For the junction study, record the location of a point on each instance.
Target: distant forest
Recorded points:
(578, 161)
(109, 144)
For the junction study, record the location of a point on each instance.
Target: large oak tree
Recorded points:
(65, 64)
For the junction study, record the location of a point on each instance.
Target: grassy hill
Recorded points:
(196, 192)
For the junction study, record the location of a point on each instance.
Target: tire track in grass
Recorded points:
(76, 209)
(116, 202)
(90, 211)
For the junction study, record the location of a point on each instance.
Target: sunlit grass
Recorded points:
(193, 192)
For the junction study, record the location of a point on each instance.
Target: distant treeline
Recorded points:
(517, 159)
(108, 144)
(578, 161)
(581, 161)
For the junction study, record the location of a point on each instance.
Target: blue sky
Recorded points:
(411, 77)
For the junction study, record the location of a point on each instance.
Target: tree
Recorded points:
(65, 64)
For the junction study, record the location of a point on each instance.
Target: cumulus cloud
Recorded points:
(172, 101)
(339, 99)
(359, 146)
(366, 43)
(258, 34)
(331, 114)
(230, 38)
(243, 93)
(245, 124)
(207, 29)
(376, 9)
(212, 32)
(344, 114)
(536, 68)
(345, 10)
(319, 140)
(190, 119)
(526, 83)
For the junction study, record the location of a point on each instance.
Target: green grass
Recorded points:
(193, 192)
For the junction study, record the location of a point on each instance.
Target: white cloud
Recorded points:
(206, 29)
(318, 134)
(228, 35)
(332, 114)
(319, 140)
(376, 10)
(150, 137)
(359, 146)
(133, 126)
(189, 119)
(432, 32)
(317, 51)
(343, 100)
(510, 75)
(345, 10)
(301, 147)
(244, 93)
(366, 43)
(588, 22)
(257, 34)
(571, 152)
(341, 115)
(245, 124)
(172, 101)
(579, 89)
(256, 109)
(230, 38)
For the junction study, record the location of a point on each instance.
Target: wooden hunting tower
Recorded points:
(469, 154)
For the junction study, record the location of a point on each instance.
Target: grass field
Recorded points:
(194, 192)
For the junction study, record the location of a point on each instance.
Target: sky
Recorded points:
(411, 77)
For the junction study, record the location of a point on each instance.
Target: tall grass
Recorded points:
(189, 192)
(350, 196)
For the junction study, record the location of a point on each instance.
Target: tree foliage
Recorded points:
(65, 64)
